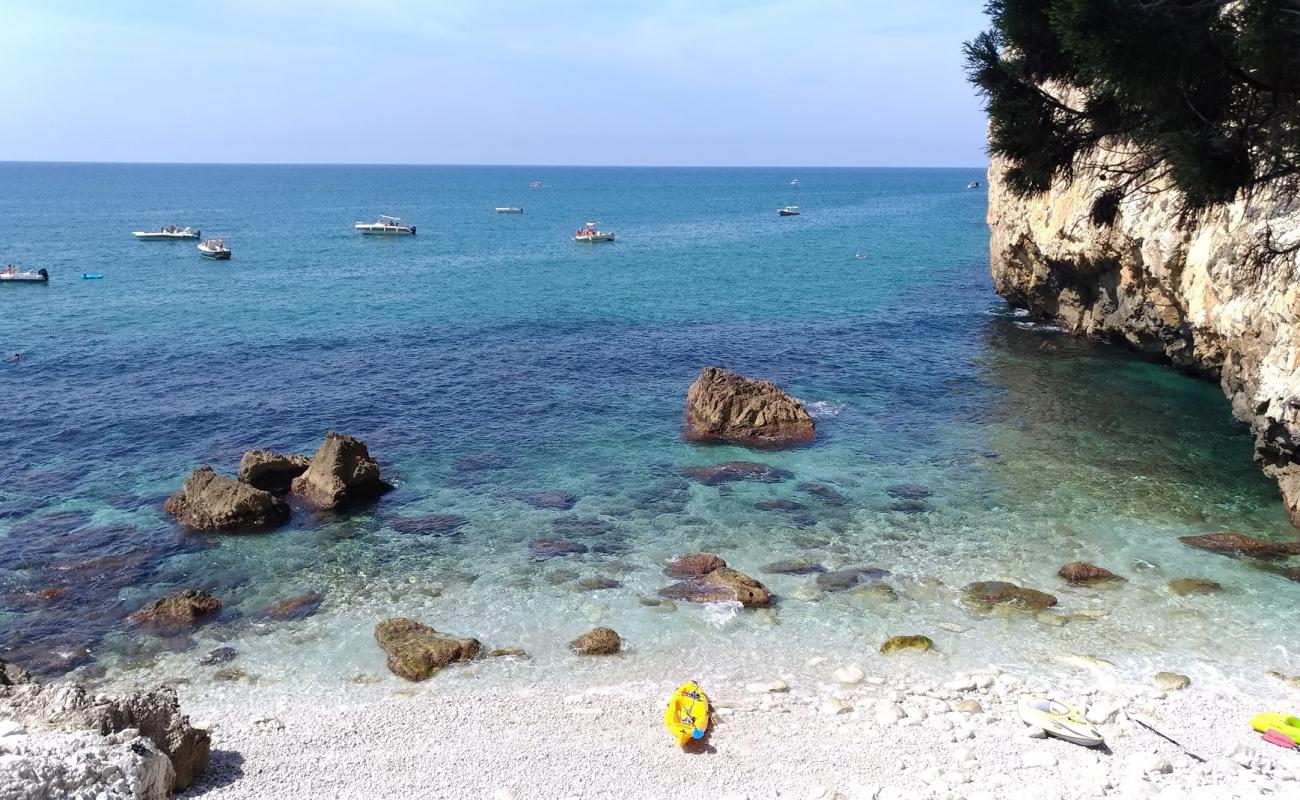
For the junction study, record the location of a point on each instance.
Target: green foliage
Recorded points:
(1205, 92)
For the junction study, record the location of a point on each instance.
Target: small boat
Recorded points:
(788, 211)
(794, 181)
(687, 715)
(535, 185)
(1283, 725)
(385, 226)
(1059, 720)
(215, 249)
(509, 210)
(167, 233)
(973, 185)
(588, 233)
(91, 276)
(12, 274)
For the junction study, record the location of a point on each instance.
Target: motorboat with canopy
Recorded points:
(385, 226)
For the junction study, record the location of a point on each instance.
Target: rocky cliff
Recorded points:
(1218, 294)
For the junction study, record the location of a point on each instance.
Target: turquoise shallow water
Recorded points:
(490, 357)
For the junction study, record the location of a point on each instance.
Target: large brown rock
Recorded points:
(416, 651)
(211, 502)
(597, 642)
(693, 564)
(722, 585)
(1239, 544)
(341, 472)
(1081, 573)
(993, 595)
(271, 472)
(178, 611)
(722, 405)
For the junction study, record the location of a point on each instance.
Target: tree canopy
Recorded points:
(1205, 93)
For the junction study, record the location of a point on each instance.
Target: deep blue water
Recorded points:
(491, 356)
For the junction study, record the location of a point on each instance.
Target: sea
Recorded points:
(490, 358)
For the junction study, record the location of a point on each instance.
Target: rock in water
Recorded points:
(736, 471)
(179, 611)
(271, 472)
(792, 566)
(1171, 681)
(722, 585)
(208, 501)
(693, 564)
(896, 644)
(1238, 544)
(1081, 573)
(990, 595)
(1187, 586)
(416, 651)
(295, 607)
(341, 472)
(597, 642)
(12, 675)
(724, 406)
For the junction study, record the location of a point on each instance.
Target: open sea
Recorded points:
(490, 357)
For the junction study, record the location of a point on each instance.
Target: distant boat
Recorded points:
(589, 233)
(167, 233)
(794, 181)
(788, 211)
(509, 210)
(91, 276)
(215, 249)
(385, 226)
(535, 185)
(973, 185)
(12, 274)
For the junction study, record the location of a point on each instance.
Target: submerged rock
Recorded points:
(792, 566)
(208, 501)
(1238, 544)
(182, 610)
(731, 471)
(1171, 681)
(597, 642)
(722, 585)
(416, 651)
(596, 584)
(779, 504)
(722, 405)
(910, 506)
(1081, 573)
(896, 644)
(555, 548)
(838, 580)
(1185, 586)
(221, 655)
(340, 472)
(271, 472)
(508, 652)
(908, 491)
(429, 524)
(693, 564)
(295, 607)
(822, 492)
(989, 595)
(552, 500)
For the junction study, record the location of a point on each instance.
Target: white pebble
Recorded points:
(773, 686)
(1038, 758)
(850, 675)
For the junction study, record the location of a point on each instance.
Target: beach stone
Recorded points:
(731, 471)
(508, 652)
(693, 564)
(1186, 586)
(303, 605)
(340, 472)
(429, 524)
(774, 686)
(181, 610)
(897, 644)
(824, 493)
(908, 491)
(597, 583)
(552, 500)
(807, 594)
(597, 642)
(1239, 544)
(555, 548)
(270, 472)
(779, 505)
(416, 651)
(839, 580)
(1081, 573)
(792, 566)
(221, 655)
(208, 501)
(969, 707)
(989, 595)
(720, 586)
(1171, 681)
(850, 675)
(722, 405)
(876, 591)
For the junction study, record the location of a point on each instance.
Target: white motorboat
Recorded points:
(794, 181)
(385, 226)
(973, 185)
(509, 210)
(589, 233)
(788, 211)
(12, 274)
(167, 233)
(535, 185)
(215, 249)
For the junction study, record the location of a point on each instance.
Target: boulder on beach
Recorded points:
(597, 642)
(692, 564)
(208, 501)
(1081, 573)
(341, 472)
(1171, 681)
(1186, 586)
(181, 610)
(304, 605)
(990, 595)
(897, 644)
(416, 651)
(1240, 545)
(724, 406)
(271, 472)
(730, 471)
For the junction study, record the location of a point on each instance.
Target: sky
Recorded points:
(655, 82)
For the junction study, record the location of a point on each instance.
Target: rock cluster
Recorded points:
(416, 651)
(722, 405)
(341, 472)
(208, 501)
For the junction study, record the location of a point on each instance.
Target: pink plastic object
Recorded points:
(1279, 739)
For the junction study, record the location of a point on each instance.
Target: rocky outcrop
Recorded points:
(341, 472)
(597, 642)
(211, 502)
(1218, 294)
(416, 651)
(271, 472)
(179, 611)
(12, 675)
(724, 406)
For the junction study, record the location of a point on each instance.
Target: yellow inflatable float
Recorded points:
(687, 715)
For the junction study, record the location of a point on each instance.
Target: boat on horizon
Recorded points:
(788, 211)
(535, 185)
(509, 210)
(794, 181)
(590, 234)
(11, 274)
(384, 226)
(167, 233)
(215, 249)
(973, 185)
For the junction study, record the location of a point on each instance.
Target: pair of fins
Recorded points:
(1279, 729)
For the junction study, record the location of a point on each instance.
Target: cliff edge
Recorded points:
(1218, 295)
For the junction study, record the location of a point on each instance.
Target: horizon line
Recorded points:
(434, 164)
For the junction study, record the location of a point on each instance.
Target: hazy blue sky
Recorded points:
(728, 82)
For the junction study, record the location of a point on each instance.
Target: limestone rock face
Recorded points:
(416, 651)
(597, 642)
(271, 472)
(1198, 295)
(208, 501)
(341, 472)
(12, 675)
(722, 405)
